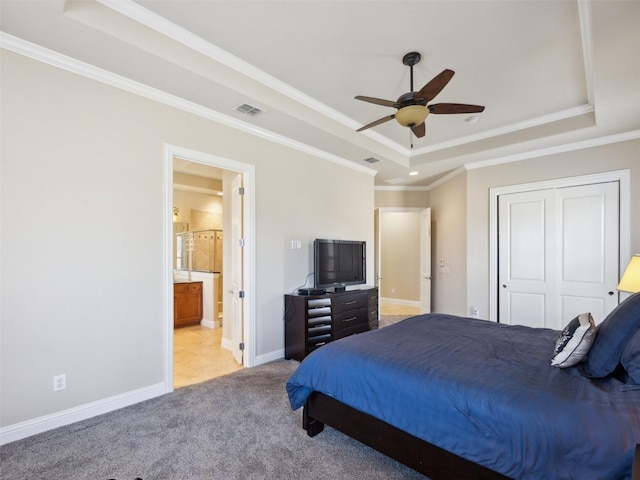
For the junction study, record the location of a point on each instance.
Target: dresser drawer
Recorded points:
(318, 331)
(351, 330)
(349, 318)
(318, 341)
(349, 301)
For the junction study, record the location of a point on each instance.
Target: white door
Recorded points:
(588, 246)
(236, 284)
(526, 256)
(558, 254)
(425, 260)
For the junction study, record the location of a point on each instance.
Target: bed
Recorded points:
(456, 397)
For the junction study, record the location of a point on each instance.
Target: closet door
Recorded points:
(558, 254)
(588, 244)
(526, 258)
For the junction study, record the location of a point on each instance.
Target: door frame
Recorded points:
(621, 176)
(248, 252)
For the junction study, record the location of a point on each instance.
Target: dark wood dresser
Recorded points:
(314, 320)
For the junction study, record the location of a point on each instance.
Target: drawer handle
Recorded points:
(350, 303)
(349, 319)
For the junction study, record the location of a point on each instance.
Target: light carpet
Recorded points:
(239, 426)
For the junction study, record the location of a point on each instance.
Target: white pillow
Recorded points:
(574, 342)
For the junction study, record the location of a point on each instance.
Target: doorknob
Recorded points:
(504, 286)
(610, 293)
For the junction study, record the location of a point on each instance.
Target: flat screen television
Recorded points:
(339, 263)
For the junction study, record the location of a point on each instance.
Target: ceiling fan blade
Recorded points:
(377, 122)
(435, 86)
(377, 101)
(418, 130)
(454, 108)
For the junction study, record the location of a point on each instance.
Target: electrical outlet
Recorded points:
(59, 382)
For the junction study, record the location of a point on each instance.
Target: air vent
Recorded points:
(250, 110)
(371, 160)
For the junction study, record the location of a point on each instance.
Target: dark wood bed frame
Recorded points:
(424, 457)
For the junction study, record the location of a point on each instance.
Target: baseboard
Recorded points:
(259, 359)
(210, 323)
(27, 428)
(269, 357)
(399, 301)
(227, 344)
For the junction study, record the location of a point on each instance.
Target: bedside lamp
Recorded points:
(630, 281)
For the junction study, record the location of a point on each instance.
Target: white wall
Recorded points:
(449, 241)
(82, 233)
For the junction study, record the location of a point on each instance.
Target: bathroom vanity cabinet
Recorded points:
(187, 303)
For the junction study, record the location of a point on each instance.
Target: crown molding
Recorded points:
(584, 13)
(385, 188)
(543, 152)
(159, 24)
(163, 26)
(556, 149)
(534, 122)
(184, 37)
(50, 57)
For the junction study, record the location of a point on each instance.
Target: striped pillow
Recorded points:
(574, 342)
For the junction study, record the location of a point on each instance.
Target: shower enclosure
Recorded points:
(199, 251)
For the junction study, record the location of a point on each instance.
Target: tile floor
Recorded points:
(395, 309)
(198, 355)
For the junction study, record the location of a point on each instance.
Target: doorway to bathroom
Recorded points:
(212, 335)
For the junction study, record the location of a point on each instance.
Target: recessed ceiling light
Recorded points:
(413, 173)
(472, 119)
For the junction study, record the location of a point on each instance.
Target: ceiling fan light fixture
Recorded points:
(412, 115)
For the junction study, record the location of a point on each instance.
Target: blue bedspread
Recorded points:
(483, 391)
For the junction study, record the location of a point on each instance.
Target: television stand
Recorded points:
(315, 320)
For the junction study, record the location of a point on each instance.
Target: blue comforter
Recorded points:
(483, 391)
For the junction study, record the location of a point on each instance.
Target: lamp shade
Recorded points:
(630, 281)
(412, 115)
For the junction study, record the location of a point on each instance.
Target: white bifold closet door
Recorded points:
(558, 254)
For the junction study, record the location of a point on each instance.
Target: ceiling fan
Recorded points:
(413, 106)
